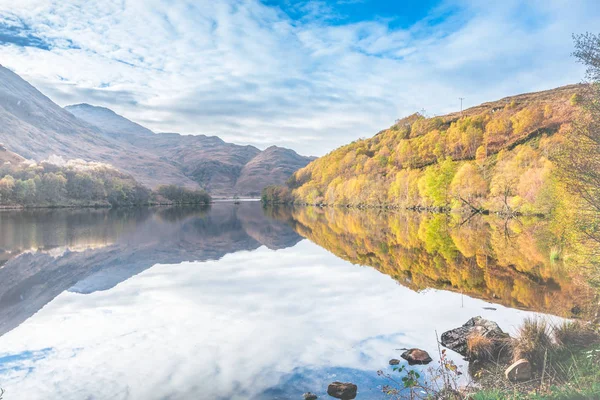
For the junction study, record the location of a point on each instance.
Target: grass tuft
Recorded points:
(480, 347)
(533, 342)
(569, 334)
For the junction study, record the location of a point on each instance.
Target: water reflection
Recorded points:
(48, 252)
(511, 262)
(229, 302)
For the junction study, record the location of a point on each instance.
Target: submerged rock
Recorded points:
(456, 339)
(344, 391)
(394, 361)
(520, 370)
(416, 356)
(310, 396)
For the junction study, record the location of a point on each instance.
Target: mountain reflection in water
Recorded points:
(229, 301)
(508, 262)
(46, 252)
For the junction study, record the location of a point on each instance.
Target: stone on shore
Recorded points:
(344, 391)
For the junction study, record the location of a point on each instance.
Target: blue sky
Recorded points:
(311, 75)
(398, 14)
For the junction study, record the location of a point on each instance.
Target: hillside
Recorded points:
(36, 128)
(108, 121)
(495, 156)
(8, 157)
(221, 168)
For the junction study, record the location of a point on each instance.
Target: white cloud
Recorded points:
(250, 74)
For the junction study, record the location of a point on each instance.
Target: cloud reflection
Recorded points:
(246, 326)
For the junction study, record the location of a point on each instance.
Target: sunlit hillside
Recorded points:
(497, 156)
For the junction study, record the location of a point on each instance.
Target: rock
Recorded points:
(416, 356)
(520, 370)
(344, 391)
(456, 339)
(394, 361)
(310, 396)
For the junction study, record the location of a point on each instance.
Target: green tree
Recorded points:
(25, 191)
(435, 183)
(52, 188)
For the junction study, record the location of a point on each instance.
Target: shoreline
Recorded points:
(97, 206)
(418, 209)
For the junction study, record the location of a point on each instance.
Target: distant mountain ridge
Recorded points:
(34, 127)
(220, 167)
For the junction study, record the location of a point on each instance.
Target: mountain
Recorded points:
(36, 128)
(219, 167)
(274, 164)
(496, 156)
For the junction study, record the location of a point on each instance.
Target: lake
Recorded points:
(237, 302)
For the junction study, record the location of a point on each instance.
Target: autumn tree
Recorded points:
(468, 185)
(7, 185)
(580, 160)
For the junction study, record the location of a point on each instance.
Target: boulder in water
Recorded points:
(416, 356)
(344, 391)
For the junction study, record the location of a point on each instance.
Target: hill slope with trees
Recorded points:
(77, 183)
(496, 156)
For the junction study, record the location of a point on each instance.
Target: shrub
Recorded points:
(575, 334)
(181, 195)
(576, 99)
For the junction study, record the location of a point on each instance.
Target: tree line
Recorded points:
(80, 183)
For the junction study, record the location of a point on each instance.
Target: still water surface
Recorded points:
(234, 302)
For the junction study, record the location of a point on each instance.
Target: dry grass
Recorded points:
(575, 334)
(480, 347)
(533, 341)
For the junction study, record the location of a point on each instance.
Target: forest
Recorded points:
(60, 183)
(498, 156)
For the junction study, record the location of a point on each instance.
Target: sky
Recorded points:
(311, 75)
